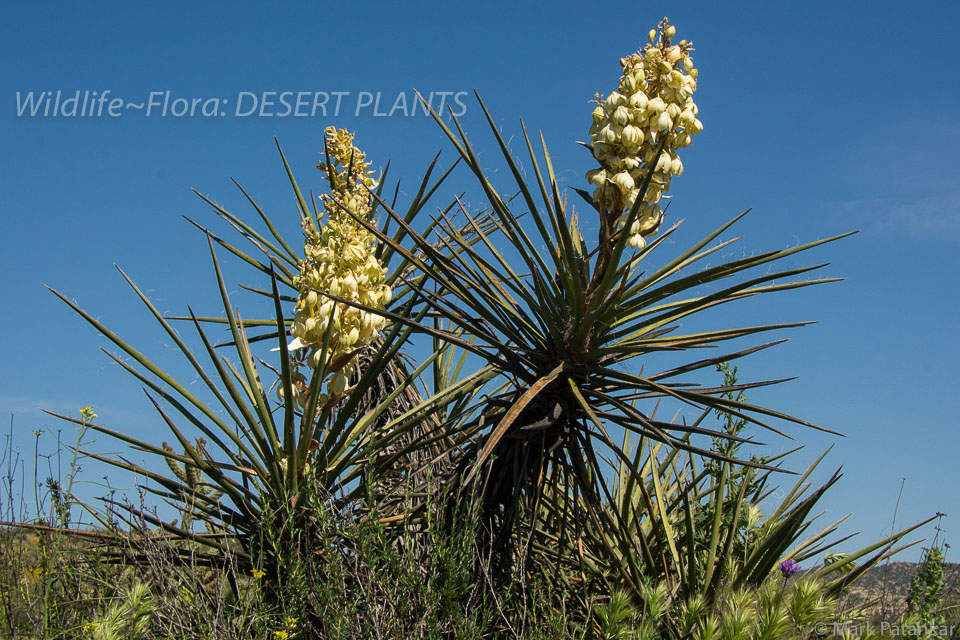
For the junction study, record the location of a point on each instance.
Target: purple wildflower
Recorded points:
(789, 567)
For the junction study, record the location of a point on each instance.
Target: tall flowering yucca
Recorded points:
(339, 260)
(570, 337)
(652, 105)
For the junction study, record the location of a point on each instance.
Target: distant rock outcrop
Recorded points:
(888, 586)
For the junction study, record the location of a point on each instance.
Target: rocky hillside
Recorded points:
(889, 586)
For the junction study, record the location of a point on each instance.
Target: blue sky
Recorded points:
(823, 117)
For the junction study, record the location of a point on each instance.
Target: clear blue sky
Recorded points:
(822, 116)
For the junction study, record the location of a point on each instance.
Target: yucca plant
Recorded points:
(347, 407)
(779, 604)
(703, 534)
(696, 526)
(564, 323)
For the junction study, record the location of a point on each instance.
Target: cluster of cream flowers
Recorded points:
(653, 100)
(339, 260)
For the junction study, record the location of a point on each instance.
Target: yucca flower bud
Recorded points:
(670, 31)
(621, 116)
(349, 284)
(351, 337)
(653, 194)
(651, 220)
(632, 136)
(638, 100)
(596, 176)
(333, 286)
(624, 181)
(608, 134)
(338, 384)
(328, 308)
(664, 122)
(351, 204)
(663, 163)
(613, 101)
(651, 35)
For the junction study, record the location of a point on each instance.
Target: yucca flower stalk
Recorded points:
(339, 259)
(637, 131)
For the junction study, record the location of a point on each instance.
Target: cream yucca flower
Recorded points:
(339, 260)
(653, 102)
